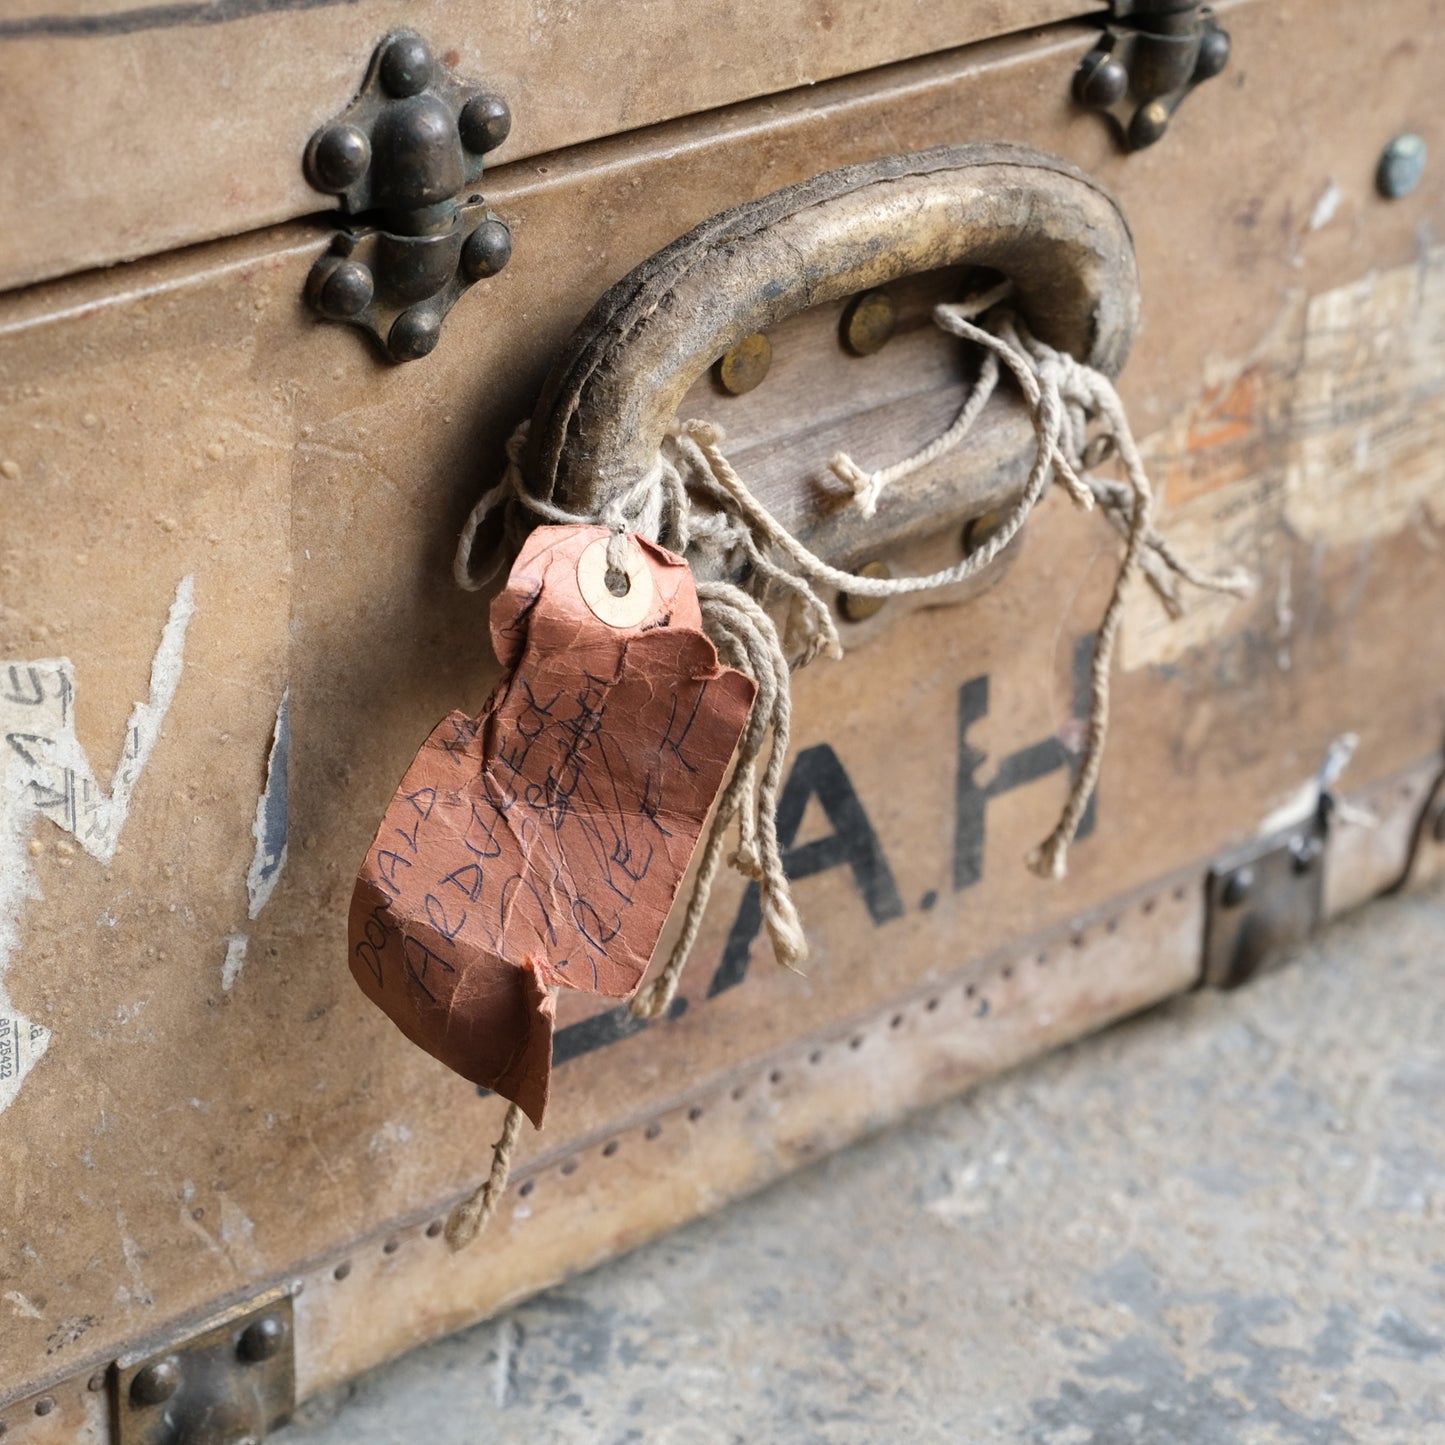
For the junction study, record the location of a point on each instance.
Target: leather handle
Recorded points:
(1055, 233)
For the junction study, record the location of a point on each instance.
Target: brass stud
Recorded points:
(1102, 81)
(340, 155)
(860, 609)
(1213, 53)
(1149, 124)
(745, 366)
(1237, 887)
(156, 1383)
(869, 322)
(414, 333)
(487, 249)
(406, 66)
(979, 531)
(262, 1339)
(1402, 166)
(343, 290)
(485, 122)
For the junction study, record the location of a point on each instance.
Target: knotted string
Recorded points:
(694, 503)
(868, 487)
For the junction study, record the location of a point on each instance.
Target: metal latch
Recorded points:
(1262, 899)
(403, 157)
(231, 1382)
(1151, 55)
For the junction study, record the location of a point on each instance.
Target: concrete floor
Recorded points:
(1220, 1224)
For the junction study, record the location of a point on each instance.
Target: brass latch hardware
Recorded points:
(1151, 55)
(1262, 899)
(403, 158)
(234, 1380)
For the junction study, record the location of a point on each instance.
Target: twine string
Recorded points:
(693, 501)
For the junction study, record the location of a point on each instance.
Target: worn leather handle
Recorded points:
(1055, 233)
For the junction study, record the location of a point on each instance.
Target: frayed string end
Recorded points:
(472, 1215)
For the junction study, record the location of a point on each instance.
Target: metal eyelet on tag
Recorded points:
(626, 610)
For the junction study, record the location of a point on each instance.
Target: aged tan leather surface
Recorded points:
(181, 1140)
(132, 128)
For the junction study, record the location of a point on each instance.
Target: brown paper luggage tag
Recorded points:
(540, 845)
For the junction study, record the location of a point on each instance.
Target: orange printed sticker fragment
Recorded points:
(540, 845)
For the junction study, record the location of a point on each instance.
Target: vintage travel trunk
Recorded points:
(228, 616)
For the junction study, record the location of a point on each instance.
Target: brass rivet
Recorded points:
(156, 1383)
(979, 531)
(487, 249)
(860, 609)
(340, 155)
(485, 122)
(406, 66)
(1402, 166)
(1149, 124)
(1237, 887)
(262, 1339)
(745, 366)
(345, 291)
(1213, 53)
(414, 333)
(1102, 81)
(869, 322)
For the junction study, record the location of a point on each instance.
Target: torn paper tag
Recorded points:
(541, 844)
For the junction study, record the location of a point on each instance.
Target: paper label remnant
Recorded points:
(540, 845)
(269, 829)
(1332, 433)
(235, 960)
(44, 772)
(47, 770)
(1369, 408)
(21, 1045)
(1215, 531)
